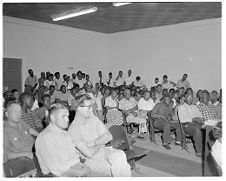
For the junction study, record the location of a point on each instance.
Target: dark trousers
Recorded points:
(194, 130)
(167, 127)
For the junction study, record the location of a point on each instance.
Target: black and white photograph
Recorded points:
(112, 89)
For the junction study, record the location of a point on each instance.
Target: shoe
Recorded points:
(166, 146)
(177, 143)
(198, 154)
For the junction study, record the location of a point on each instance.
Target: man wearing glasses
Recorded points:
(90, 135)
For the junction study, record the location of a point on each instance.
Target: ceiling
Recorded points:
(110, 19)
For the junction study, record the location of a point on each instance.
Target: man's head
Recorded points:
(87, 77)
(57, 75)
(43, 75)
(30, 72)
(46, 100)
(214, 96)
(138, 78)
(146, 95)
(120, 73)
(73, 76)
(13, 112)
(181, 91)
(189, 99)
(165, 78)
(83, 75)
(51, 89)
(79, 75)
(50, 78)
(85, 104)
(205, 97)
(129, 72)
(88, 88)
(159, 88)
(137, 96)
(15, 94)
(59, 116)
(153, 95)
(199, 94)
(166, 99)
(189, 91)
(156, 80)
(184, 77)
(100, 73)
(127, 94)
(63, 89)
(26, 100)
(110, 74)
(114, 93)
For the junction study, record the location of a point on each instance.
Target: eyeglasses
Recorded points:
(90, 106)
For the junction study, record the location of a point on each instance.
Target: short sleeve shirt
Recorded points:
(81, 132)
(125, 104)
(55, 151)
(31, 81)
(110, 102)
(17, 139)
(208, 111)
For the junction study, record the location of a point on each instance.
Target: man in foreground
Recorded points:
(90, 135)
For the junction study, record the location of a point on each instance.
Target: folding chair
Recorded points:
(119, 133)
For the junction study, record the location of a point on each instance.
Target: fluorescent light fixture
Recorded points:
(120, 4)
(74, 14)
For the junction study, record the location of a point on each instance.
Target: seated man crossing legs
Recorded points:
(162, 114)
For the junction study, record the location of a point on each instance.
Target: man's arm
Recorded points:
(33, 132)
(86, 150)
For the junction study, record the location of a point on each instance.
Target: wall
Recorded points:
(46, 47)
(193, 48)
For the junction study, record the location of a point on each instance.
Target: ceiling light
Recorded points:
(120, 4)
(74, 14)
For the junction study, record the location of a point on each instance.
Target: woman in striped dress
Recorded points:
(114, 116)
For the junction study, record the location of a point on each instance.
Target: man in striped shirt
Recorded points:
(27, 115)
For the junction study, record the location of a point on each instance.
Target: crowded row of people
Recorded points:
(47, 105)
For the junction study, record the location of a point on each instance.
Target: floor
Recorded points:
(176, 152)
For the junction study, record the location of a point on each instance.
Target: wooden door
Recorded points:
(12, 73)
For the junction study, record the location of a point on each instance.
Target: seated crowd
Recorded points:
(63, 123)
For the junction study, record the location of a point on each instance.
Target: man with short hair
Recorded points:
(119, 79)
(17, 142)
(27, 116)
(129, 107)
(162, 114)
(183, 82)
(49, 81)
(138, 82)
(30, 82)
(129, 79)
(58, 81)
(166, 84)
(90, 135)
(110, 81)
(191, 120)
(54, 148)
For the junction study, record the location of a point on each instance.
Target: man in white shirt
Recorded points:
(146, 103)
(183, 82)
(192, 119)
(110, 80)
(100, 79)
(54, 148)
(119, 79)
(129, 79)
(166, 84)
(58, 81)
(49, 82)
(138, 82)
(80, 81)
(31, 82)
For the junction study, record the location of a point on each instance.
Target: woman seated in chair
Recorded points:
(114, 116)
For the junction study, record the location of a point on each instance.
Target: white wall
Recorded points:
(193, 48)
(46, 47)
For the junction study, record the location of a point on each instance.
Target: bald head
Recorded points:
(13, 112)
